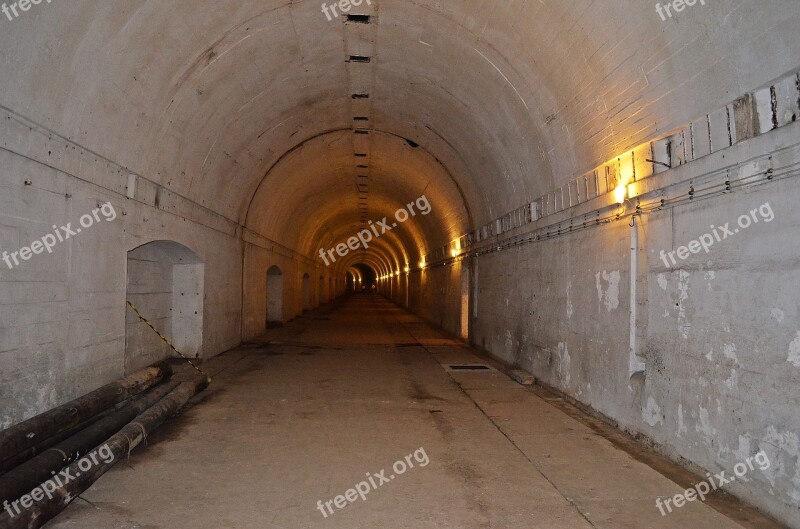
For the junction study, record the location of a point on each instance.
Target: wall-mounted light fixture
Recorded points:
(621, 193)
(627, 174)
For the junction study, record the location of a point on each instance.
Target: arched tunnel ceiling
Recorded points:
(319, 183)
(245, 106)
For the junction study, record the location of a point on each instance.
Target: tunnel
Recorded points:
(399, 263)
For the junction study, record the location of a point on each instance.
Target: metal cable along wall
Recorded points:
(705, 187)
(752, 115)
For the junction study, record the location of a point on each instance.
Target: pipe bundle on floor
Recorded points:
(73, 415)
(77, 478)
(37, 470)
(33, 450)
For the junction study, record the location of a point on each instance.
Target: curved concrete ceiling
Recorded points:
(247, 107)
(311, 199)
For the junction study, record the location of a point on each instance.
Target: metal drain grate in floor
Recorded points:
(470, 367)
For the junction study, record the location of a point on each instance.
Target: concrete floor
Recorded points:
(328, 398)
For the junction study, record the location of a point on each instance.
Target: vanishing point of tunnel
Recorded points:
(468, 264)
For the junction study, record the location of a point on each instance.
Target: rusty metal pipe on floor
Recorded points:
(37, 470)
(22, 436)
(46, 501)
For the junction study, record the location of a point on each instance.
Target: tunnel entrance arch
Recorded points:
(165, 282)
(274, 296)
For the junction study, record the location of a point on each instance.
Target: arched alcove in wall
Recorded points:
(165, 282)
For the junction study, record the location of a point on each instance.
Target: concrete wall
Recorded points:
(150, 289)
(63, 315)
(718, 332)
(434, 294)
(188, 289)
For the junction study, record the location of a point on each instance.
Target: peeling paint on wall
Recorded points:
(710, 276)
(744, 451)
(733, 380)
(794, 351)
(564, 365)
(652, 413)
(681, 425)
(783, 450)
(684, 326)
(729, 350)
(704, 427)
(570, 310)
(609, 297)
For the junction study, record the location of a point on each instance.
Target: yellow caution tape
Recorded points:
(139, 314)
